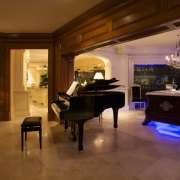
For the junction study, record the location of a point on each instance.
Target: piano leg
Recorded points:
(115, 114)
(66, 125)
(73, 130)
(80, 134)
(146, 120)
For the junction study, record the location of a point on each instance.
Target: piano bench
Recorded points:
(31, 124)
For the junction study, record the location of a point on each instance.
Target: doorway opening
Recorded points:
(29, 82)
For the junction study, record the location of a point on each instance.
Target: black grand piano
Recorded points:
(81, 103)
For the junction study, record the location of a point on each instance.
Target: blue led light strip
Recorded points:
(168, 133)
(166, 129)
(148, 65)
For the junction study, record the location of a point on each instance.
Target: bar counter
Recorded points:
(163, 106)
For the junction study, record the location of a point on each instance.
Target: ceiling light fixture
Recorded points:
(174, 60)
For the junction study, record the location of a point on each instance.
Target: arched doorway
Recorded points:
(86, 66)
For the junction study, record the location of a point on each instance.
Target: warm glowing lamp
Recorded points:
(98, 76)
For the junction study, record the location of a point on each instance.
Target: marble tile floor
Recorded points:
(132, 152)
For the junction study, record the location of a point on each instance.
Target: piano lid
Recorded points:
(100, 85)
(105, 82)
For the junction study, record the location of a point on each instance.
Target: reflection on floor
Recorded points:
(38, 109)
(133, 152)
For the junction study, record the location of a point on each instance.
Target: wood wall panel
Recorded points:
(99, 12)
(146, 10)
(69, 42)
(173, 3)
(153, 31)
(2, 83)
(64, 69)
(92, 33)
(63, 72)
(70, 71)
(2, 79)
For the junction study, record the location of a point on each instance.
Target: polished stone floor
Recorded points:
(132, 152)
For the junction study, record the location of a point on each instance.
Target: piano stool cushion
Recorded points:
(31, 121)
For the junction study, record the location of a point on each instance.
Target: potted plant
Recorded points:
(44, 80)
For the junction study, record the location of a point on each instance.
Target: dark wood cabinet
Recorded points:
(163, 106)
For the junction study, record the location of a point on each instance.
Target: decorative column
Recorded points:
(123, 74)
(20, 96)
